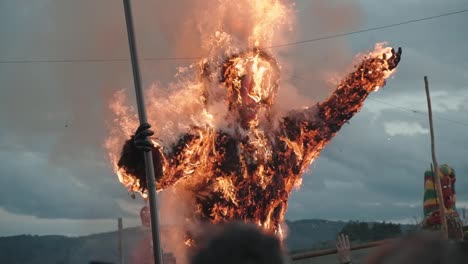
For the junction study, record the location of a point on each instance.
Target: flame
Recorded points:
(189, 242)
(267, 15)
(380, 51)
(216, 136)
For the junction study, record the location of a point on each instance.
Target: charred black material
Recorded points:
(132, 162)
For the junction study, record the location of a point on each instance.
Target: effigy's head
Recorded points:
(250, 82)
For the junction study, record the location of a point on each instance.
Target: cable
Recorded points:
(60, 61)
(293, 76)
(92, 60)
(173, 58)
(275, 46)
(369, 29)
(418, 112)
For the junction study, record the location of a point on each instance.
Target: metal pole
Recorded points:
(120, 235)
(143, 119)
(435, 171)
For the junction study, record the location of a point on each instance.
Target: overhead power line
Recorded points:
(94, 60)
(369, 29)
(424, 113)
(60, 61)
(298, 77)
(274, 46)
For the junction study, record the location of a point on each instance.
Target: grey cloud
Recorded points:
(27, 224)
(439, 37)
(57, 112)
(385, 170)
(30, 186)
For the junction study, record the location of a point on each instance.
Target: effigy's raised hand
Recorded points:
(394, 59)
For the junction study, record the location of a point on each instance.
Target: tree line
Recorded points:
(363, 232)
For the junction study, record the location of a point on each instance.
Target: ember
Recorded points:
(245, 166)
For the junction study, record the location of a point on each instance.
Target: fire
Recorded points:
(218, 137)
(267, 15)
(383, 52)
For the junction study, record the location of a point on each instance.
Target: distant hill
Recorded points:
(31, 249)
(312, 233)
(28, 249)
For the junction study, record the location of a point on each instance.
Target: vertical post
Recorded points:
(143, 119)
(464, 216)
(120, 240)
(435, 170)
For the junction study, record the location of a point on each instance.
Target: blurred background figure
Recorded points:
(143, 251)
(420, 248)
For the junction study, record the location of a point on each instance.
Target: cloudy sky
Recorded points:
(54, 175)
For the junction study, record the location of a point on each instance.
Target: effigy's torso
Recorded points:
(244, 174)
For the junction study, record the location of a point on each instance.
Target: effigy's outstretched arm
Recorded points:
(352, 91)
(306, 132)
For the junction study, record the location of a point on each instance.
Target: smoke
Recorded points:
(83, 90)
(240, 19)
(216, 29)
(176, 205)
(172, 29)
(314, 68)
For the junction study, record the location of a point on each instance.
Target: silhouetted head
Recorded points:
(239, 243)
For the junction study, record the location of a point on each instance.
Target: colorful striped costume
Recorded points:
(432, 219)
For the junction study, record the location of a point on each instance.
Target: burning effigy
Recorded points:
(219, 137)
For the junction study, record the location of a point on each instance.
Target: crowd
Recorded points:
(246, 244)
(240, 243)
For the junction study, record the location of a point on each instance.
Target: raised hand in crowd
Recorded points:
(343, 249)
